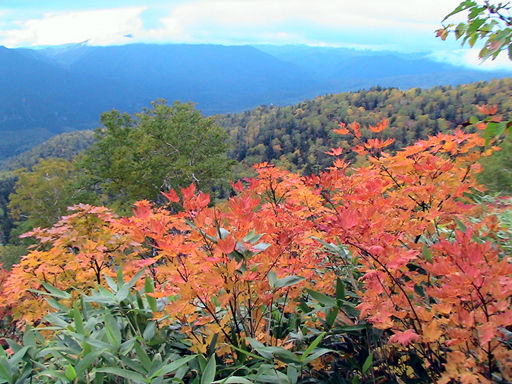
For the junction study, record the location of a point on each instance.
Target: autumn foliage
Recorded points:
(438, 286)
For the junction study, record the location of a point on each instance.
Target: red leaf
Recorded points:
(172, 196)
(142, 209)
(335, 152)
(380, 126)
(349, 219)
(189, 192)
(404, 338)
(226, 245)
(238, 186)
(342, 130)
(488, 109)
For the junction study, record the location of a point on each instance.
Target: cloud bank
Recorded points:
(397, 25)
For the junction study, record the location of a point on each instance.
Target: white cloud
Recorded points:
(406, 25)
(100, 27)
(296, 21)
(469, 58)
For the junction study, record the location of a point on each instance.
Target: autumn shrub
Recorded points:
(388, 272)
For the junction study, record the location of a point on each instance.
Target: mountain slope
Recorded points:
(58, 89)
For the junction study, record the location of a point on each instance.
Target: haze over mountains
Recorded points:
(57, 89)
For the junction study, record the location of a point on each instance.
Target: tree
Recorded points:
(158, 149)
(41, 196)
(489, 22)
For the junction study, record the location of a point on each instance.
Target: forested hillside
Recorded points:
(60, 89)
(297, 137)
(64, 146)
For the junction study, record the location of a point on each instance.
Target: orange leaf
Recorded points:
(349, 219)
(486, 332)
(380, 126)
(172, 196)
(142, 209)
(342, 130)
(432, 332)
(404, 338)
(189, 192)
(226, 245)
(487, 109)
(335, 152)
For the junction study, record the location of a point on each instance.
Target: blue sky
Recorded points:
(398, 25)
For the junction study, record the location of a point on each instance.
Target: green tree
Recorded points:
(158, 149)
(497, 174)
(487, 21)
(41, 196)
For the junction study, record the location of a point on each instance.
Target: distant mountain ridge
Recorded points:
(60, 89)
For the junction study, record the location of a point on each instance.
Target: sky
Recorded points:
(396, 25)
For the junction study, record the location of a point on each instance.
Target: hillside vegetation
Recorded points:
(60, 89)
(297, 137)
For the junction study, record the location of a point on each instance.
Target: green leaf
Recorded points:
(19, 355)
(86, 362)
(272, 278)
(5, 369)
(293, 374)
(209, 373)
(460, 30)
(473, 120)
(475, 11)
(122, 373)
(340, 292)
(252, 237)
(461, 225)
(288, 281)
(79, 324)
(246, 353)
(53, 374)
(234, 380)
(283, 354)
(317, 353)
(57, 305)
(472, 39)
(426, 253)
(475, 25)
(261, 246)
(462, 7)
(321, 298)
(174, 366)
(127, 346)
(150, 331)
(149, 288)
(490, 132)
(133, 365)
(352, 328)
(29, 338)
(55, 320)
(223, 233)
(52, 291)
(143, 357)
(313, 345)
(368, 363)
(330, 316)
(501, 128)
(125, 289)
(259, 347)
(111, 283)
(113, 330)
(70, 372)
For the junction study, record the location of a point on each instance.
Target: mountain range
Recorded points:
(53, 90)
